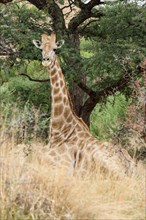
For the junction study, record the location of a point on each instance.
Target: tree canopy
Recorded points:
(104, 46)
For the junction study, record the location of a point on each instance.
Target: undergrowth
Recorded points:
(31, 190)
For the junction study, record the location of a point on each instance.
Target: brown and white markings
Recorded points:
(71, 143)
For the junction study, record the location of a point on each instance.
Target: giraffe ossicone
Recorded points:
(71, 143)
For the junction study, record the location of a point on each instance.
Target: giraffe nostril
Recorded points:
(46, 59)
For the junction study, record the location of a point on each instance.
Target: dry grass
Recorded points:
(30, 190)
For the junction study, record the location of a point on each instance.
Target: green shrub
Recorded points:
(106, 119)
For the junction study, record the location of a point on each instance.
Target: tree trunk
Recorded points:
(74, 61)
(86, 110)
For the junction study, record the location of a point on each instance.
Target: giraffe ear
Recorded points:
(60, 43)
(37, 43)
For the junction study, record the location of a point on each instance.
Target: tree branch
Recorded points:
(98, 97)
(68, 6)
(86, 89)
(39, 4)
(57, 17)
(5, 1)
(34, 80)
(84, 14)
(85, 26)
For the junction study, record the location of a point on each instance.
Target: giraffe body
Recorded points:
(71, 144)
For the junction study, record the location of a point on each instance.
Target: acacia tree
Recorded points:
(113, 65)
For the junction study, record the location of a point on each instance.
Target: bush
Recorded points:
(106, 119)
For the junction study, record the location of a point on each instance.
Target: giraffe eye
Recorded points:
(54, 49)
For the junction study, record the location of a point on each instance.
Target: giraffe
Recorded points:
(71, 142)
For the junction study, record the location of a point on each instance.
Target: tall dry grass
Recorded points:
(31, 190)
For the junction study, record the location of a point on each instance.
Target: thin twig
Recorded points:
(35, 80)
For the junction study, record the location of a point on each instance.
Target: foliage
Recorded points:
(118, 42)
(19, 87)
(25, 123)
(19, 31)
(106, 120)
(132, 134)
(110, 45)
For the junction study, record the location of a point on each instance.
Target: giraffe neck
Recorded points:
(62, 120)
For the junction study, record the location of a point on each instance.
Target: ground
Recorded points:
(30, 189)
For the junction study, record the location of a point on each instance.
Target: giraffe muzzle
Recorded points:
(46, 62)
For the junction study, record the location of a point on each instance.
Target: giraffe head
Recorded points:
(48, 45)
